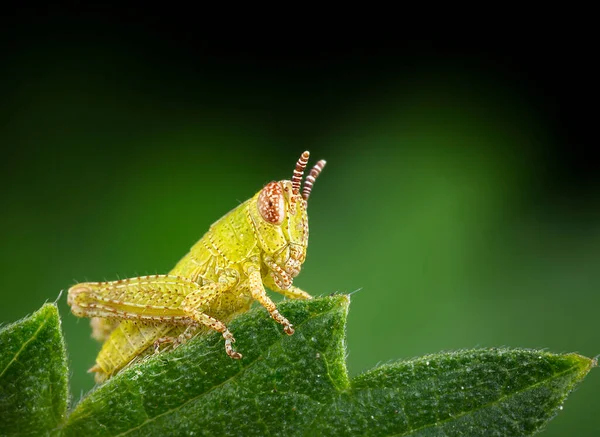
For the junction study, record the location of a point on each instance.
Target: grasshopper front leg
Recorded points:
(293, 293)
(258, 293)
(281, 282)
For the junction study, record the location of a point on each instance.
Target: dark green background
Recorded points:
(459, 193)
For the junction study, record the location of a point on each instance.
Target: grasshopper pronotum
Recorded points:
(260, 243)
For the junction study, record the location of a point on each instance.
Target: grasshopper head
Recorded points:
(281, 223)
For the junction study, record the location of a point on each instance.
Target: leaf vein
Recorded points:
(499, 400)
(195, 398)
(24, 346)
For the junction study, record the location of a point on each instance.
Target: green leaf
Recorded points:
(33, 375)
(298, 386)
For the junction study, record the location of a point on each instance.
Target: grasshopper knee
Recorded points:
(76, 297)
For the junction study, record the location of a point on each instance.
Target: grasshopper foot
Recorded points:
(287, 326)
(159, 341)
(228, 336)
(289, 329)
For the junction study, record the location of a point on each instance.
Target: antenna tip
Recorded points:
(299, 171)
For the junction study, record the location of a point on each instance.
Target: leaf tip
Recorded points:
(48, 311)
(583, 364)
(336, 299)
(345, 299)
(49, 307)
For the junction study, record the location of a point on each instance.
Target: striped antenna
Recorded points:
(310, 179)
(299, 172)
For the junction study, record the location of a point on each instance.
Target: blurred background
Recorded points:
(460, 196)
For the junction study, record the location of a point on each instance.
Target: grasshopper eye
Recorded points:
(271, 204)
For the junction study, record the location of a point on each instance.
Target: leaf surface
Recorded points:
(298, 386)
(33, 375)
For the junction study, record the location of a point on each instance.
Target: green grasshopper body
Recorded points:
(260, 243)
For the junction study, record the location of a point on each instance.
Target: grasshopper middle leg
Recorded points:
(194, 304)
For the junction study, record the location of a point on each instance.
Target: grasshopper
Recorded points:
(262, 242)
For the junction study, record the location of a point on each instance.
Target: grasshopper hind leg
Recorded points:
(176, 341)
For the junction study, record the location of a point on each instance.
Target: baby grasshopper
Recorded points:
(260, 243)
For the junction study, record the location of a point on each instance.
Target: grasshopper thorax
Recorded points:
(280, 222)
